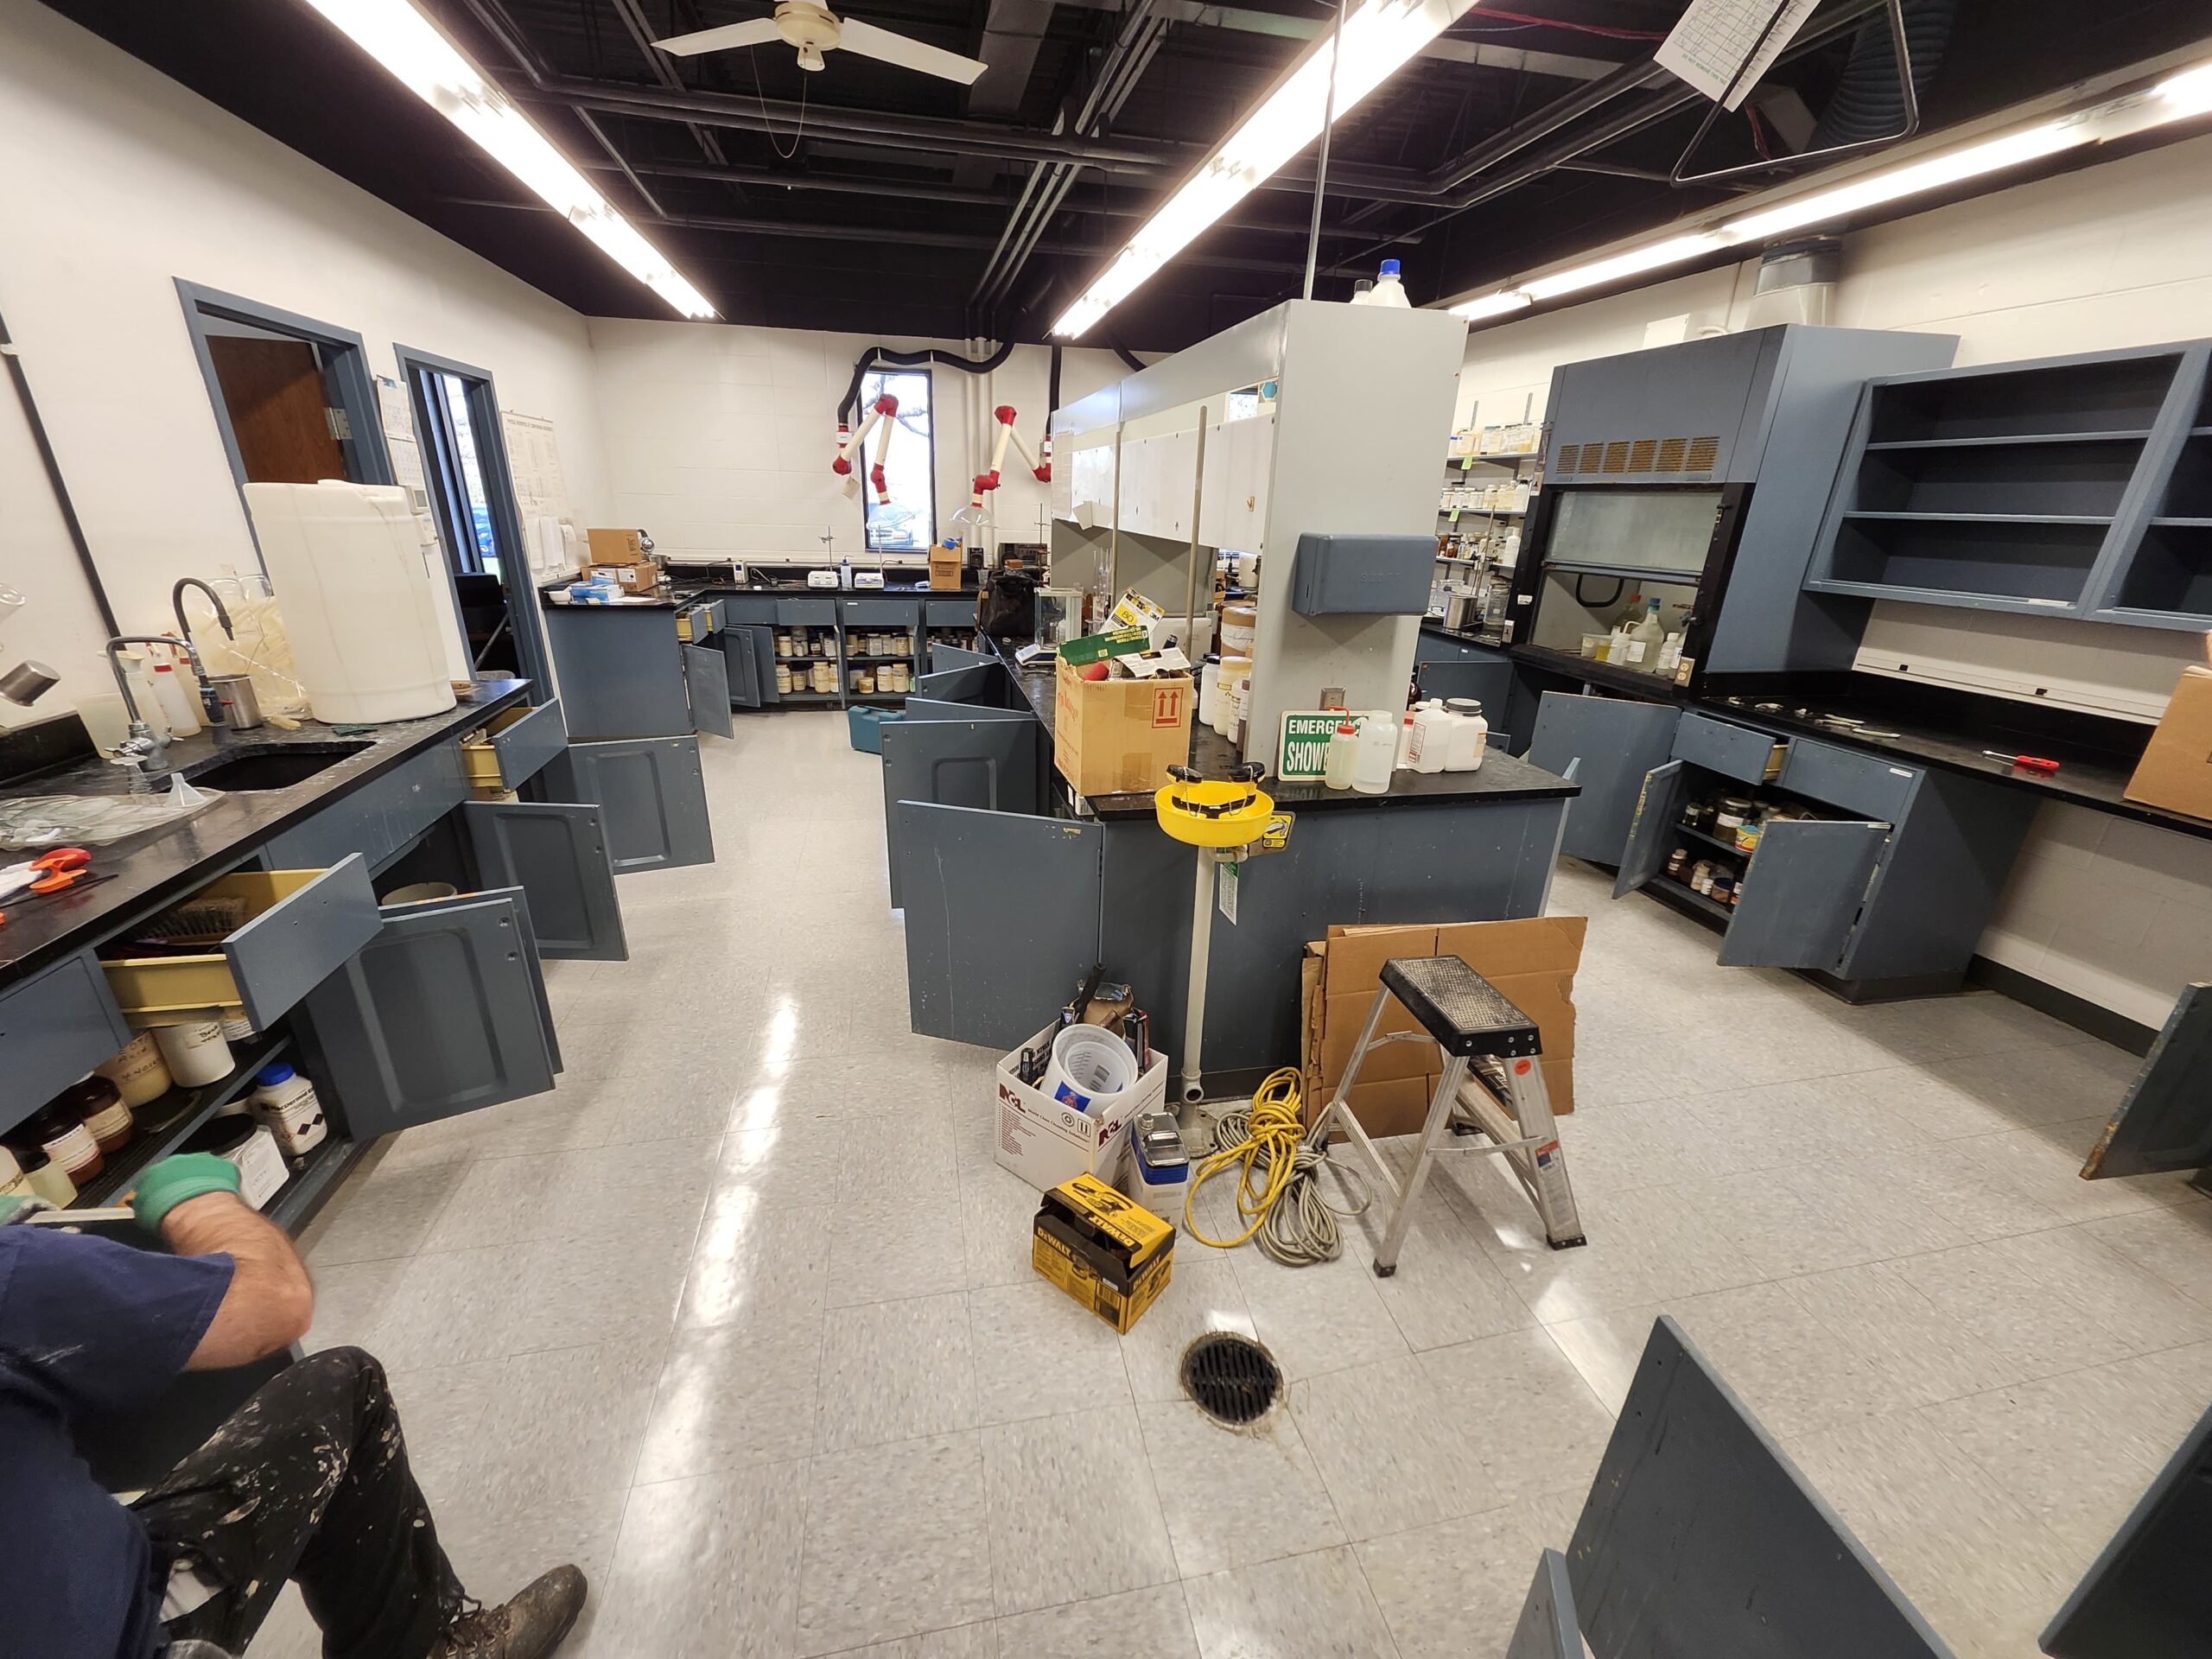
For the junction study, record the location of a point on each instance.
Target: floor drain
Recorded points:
(1233, 1378)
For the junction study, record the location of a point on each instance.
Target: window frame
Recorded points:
(862, 463)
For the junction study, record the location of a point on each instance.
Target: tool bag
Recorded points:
(1007, 607)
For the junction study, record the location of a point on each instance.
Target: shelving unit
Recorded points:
(2079, 486)
(165, 1123)
(1682, 894)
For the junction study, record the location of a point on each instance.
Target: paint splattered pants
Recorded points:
(308, 1480)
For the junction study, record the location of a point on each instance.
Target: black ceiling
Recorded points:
(880, 205)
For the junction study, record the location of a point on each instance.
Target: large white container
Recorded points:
(364, 621)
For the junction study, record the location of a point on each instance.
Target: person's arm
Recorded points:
(270, 1301)
(191, 1201)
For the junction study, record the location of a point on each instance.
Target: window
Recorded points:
(907, 522)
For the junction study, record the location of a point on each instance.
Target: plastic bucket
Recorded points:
(1090, 1066)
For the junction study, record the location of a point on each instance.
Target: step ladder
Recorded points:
(1492, 1086)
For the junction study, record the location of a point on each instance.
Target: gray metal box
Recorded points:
(1367, 576)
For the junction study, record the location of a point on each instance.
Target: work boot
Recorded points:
(529, 1626)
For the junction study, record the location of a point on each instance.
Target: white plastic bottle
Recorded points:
(1431, 737)
(1469, 736)
(1387, 289)
(1378, 746)
(1343, 762)
(179, 704)
(144, 697)
(1406, 743)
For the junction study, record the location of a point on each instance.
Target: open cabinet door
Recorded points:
(986, 763)
(1617, 741)
(556, 852)
(2165, 1121)
(1801, 893)
(651, 796)
(742, 666)
(441, 1014)
(1651, 831)
(706, 673)
(1001, 917)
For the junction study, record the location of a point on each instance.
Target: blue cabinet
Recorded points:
(653, 797)
(1880, 875)
(1618, 742)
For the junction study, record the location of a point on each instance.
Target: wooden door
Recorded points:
(279, 408)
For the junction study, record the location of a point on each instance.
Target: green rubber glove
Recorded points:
(173, 1180)
(14, 1207)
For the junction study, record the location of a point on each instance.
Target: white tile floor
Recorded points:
(741, 1316)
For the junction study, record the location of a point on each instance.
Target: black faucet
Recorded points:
(209, 703)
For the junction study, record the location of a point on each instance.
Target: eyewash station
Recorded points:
(1250, 527)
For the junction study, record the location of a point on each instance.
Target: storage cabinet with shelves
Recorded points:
(2074, 486)
(1883, 887)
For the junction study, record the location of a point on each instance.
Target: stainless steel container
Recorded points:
(241, 704)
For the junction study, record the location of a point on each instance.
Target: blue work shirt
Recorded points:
(87, 1324)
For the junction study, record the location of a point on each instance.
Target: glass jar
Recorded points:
(137, 1070)
(98, 1103)
(1723, 887)
(1677, 861)
(66, 1140)
(1701, 876)
(1731, 811)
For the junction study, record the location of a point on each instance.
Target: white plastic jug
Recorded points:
(1431, 745)
(1468, 736)
(1378, 748)
(366, 626)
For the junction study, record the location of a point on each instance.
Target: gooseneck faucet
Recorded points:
(211, 705)
(145, 744)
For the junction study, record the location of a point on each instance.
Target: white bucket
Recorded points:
(1090, 1065)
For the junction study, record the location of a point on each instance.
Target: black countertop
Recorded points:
(1930, 725)
(160, 866)
(1500, 777)
(1436, 629)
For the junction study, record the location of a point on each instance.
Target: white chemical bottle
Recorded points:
(179, 701)
(367, 628)
(1431, 743)
(1388, 291)
(1468, 737)
(1343, 762)
(1378, 748)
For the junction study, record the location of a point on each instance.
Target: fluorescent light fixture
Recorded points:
(1895, 183)
(403, 41)
(1634, 262)
(1379, 37)
(2178, 98)
(1504, 302)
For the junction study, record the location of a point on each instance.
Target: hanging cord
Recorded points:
(1278, 1191)
(798, 133)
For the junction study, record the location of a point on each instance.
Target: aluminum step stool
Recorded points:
(1503, 1096)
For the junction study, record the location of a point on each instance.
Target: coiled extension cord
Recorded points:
(1278, 1191)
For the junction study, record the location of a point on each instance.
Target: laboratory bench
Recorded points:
(398, 1013)
(1012, 885)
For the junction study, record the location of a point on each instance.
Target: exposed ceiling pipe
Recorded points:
(641, 37)
(874, 233)
(1127, 59)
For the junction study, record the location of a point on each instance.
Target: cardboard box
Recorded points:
(2175, 770)
(944, 569)
(1113, 736)
(631, 578)
(1047, 1144)
(1106, 1250)
(617, 546)
(1532, 961)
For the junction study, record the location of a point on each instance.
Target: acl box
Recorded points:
(945, 570)
(1113, 736)
(616, 546)
(1046, 1142)
(1108, 1252)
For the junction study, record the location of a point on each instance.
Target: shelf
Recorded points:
(2183, 523)
(806, 696)
(1984, 518)
(297, 1201)
(1719, 844)
(1690, 896)
(2041, 562)
(170, 1118)
(878, 696)
(862, 662)
(1484, 512)
(2128, 437)
(1456, 462)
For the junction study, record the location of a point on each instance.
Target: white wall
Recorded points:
(114, 182)
(719, 438)
(2108, 256)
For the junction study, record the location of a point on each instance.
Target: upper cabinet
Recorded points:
(1089, 470)
(1159, 482)
(2073, 486)
(1233, 504)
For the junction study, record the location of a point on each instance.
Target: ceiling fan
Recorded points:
(814, 30)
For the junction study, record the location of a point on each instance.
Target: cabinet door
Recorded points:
(1801, 893)
(989, 763)
(1650, 833)
(937, 709)
(945, 657)
(652, 797)
(556, 853)
(977, 881)
(983, 682)
(1618, 742)
(2165, 1121)
(706, 673)
(438, 1015)
(742, 666)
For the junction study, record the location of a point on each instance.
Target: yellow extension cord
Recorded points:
(1278, 1191)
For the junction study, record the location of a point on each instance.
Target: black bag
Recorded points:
(1007, 607)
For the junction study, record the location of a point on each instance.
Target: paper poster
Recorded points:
(396, 412)
(534, 460)
(1709, 45)
(406, 463)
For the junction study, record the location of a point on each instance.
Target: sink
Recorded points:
(270, 766)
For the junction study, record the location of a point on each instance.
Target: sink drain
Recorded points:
(1233, 1378)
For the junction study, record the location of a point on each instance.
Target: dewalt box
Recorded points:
(1107, 1251)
